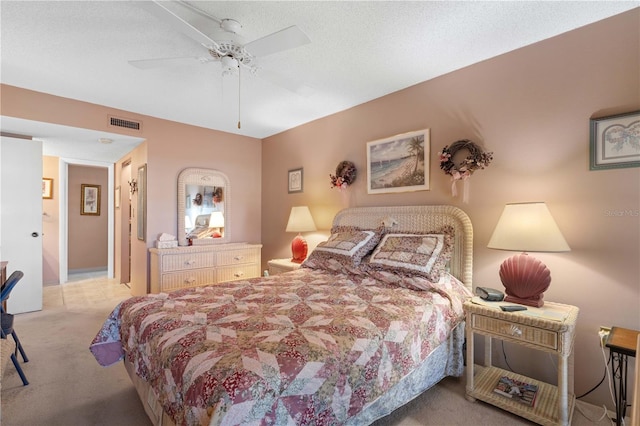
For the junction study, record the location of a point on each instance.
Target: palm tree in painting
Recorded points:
(416, 148)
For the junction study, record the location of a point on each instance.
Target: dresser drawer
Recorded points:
(176, 280)
(239, 272)
(238, 257)
(184, 261)
(524, 333)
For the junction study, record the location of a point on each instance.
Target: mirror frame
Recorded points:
(203, 177)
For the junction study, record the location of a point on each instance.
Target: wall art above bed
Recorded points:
(399, 163)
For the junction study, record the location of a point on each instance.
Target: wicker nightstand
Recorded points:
(549, 329)
(279, 266)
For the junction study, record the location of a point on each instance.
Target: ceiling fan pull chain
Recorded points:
(239, 77)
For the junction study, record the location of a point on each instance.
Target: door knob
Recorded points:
(34, 234)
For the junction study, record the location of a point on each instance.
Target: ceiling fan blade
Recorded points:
(145, 64)
(292, 84)
(175, 21)
(285, 39)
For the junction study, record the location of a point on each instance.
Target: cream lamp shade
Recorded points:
(216, 220)
(300, 220)
(526, 227)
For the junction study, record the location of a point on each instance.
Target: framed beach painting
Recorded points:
(399, 163)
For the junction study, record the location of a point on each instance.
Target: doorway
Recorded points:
(64, 214)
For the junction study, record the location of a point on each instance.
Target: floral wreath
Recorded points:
(476, 160)
(345, 175)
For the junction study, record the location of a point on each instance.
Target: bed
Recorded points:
(371, 320)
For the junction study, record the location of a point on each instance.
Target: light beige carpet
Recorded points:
(68, 387)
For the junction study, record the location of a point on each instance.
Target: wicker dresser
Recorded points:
(550, 329)
(194, 266)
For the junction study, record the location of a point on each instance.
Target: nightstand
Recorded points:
(548, 329)
(279, 266)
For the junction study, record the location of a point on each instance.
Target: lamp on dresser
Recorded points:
(526, 227)
(216, 220)
(300, 220)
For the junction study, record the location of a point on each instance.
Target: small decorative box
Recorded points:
(166, 244)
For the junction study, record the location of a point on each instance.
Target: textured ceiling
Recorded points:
(359, 51)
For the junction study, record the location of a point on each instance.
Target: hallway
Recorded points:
(83, 290)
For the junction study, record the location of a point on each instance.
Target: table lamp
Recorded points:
(526, 227)
(300, 220)
(216, 220)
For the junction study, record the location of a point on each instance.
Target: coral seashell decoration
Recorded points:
(525, 279)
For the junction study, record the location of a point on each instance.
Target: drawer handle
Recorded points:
(190, 262)
(238, 257)
(238, 274)
(512, 330)
(190, 280)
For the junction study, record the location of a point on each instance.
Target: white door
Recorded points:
(21, 219)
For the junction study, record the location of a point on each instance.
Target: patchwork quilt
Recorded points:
(305, 347)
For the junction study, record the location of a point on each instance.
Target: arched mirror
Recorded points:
(203, 204)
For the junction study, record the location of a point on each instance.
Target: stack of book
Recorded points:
(522, 392)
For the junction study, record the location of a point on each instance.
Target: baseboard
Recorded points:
(87, 270)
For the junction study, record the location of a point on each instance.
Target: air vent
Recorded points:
(122, 122)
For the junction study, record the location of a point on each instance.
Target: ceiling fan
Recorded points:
(225, 44)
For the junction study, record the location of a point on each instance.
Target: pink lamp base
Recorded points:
(299, 249)
(539, 303)
(525, 279)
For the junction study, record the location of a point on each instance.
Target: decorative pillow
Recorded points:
(420, 254)
(346, 247)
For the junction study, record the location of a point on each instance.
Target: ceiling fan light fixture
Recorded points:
(229, 65)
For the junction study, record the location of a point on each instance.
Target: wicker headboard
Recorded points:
(421, 219)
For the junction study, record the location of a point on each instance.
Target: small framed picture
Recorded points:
(615, 141)
(90, 200)
(295, 180)
(47, 188)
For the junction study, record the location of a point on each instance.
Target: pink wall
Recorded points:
(87, 241)
(531, 107)
(50, 228)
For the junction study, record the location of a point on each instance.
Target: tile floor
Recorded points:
(84, 289)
